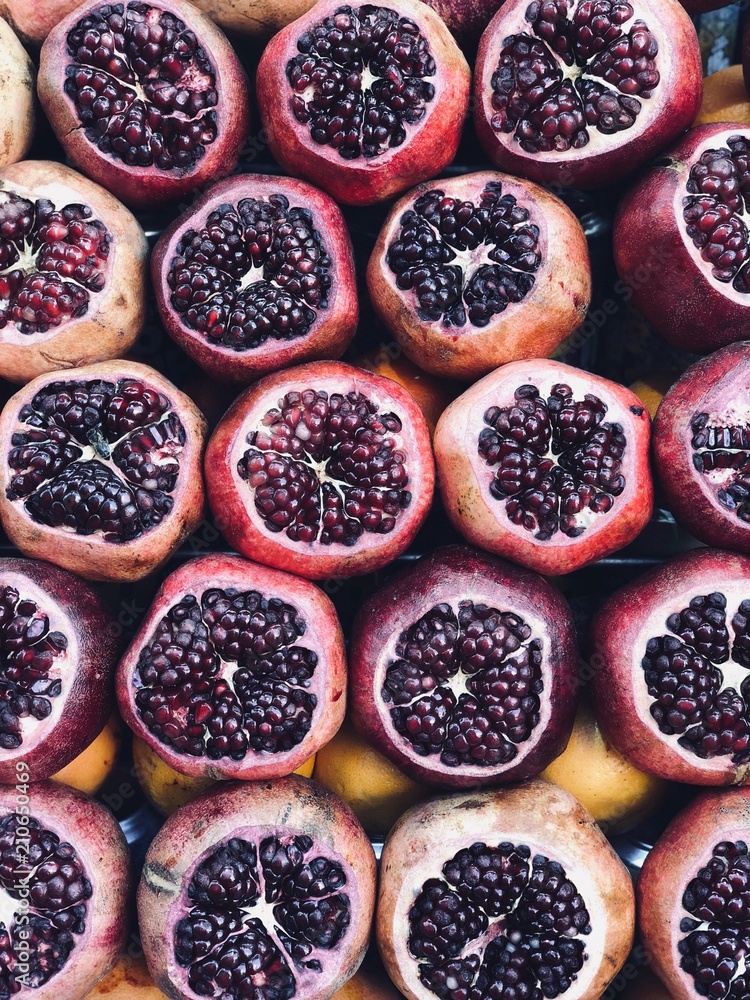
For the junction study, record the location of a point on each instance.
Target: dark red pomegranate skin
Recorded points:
(463, 617)
(59, 653)
(267, 883)
(64, 857)
(418, 101)
(147, 97)
(466, 19)
(692, 898)
(301, 304)
(687, 215)
(670, 664)
(580, 93)
(701, 448)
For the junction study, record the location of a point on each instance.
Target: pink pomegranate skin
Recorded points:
(717, 385)
(34, 21)
(87, 667)
(322, 634)
(232, 502)
(286, 807)
(466, 19)
(430, 145)
(332, 331)
(607, 158)
(145, 187)
(684, 848)
(688, 307)
(100, 846)
(450, 575)
(619, 634)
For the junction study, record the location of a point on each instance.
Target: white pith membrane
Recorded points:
(263, 415)
(301, 978)
(446, 594)
(735, 590)
(599, 144)
(741, 216)
(493, 837)
(29, 261)
(502, 395)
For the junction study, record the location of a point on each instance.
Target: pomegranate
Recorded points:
(147, 97)
(364, 101)
(505, 894)
(475, 271)
(693, 896)
(546, 464)
(671, 654)
(262, 889)
(17, 113)
(102, 469)
(257, 275)
(324, 469)
(238, 671)
(64, 884)
(464, 670)
(72, 271)
(59, 651)
(466, 19)
(32, 20)
(582, 92)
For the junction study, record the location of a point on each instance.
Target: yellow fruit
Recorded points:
(651, 388)
(167, 789)
(725, 98)
(366, 986)
(616, 794)
(129, 980)
(374, 787)
(93, 766)
(431, 393)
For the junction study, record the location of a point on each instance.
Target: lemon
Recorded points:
(91, 768)
(651, 388)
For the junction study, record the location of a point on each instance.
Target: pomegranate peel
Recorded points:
(17, 117)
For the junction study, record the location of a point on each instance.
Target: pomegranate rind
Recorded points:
(619, 634)
(17, 116)
(89, 555)
(285, 807)
(322, 634)
(33, 22)
(115, 315)
(81, 710)
(663, 117)
(656, 259)
(429, 147)
(233, 504)
(464, 477)
(682, 850)
(145, 187)
(334, 326)
(100, 845)
(538, 814)
(532, 328)
(450, 575)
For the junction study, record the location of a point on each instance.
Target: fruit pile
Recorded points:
(321, 537)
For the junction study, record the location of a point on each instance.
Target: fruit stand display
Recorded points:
(375, 500)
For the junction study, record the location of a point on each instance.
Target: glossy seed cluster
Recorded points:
(722, 454)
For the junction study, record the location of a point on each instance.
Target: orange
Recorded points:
(129, 980)
(376, 790)
(167, 789)
(725, 98)
(92, 766)
(651, 388)
(431, 393)
(366, 986)
(616, 794)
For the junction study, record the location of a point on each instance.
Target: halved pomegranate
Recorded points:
(17, 112)
(147, 97)
(463, 670)
(100, 470)
(257, 275)
(72, 271)
(546, 464)
(693, 897)
(702, 448)
(58, 649)
(364, 101)
(260, 889)
(238, 671)
(478, 270)
(582, 92)
(508, 894)
(671, 658)
(324, 470)
(64, 885)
